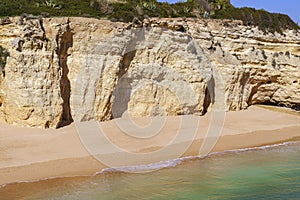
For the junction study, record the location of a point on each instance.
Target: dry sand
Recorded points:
(28, 154)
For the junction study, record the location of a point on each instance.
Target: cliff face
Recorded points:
(257, 68)
(64, 69)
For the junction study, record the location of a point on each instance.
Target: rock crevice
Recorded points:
(64, 42)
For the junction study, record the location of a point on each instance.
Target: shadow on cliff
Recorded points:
(64, 43)
(3, 57)
(123, 89)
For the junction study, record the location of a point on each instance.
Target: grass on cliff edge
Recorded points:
(129, 10)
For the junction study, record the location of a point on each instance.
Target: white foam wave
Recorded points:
(147, 167)
(178, 161)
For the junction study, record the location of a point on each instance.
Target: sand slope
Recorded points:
(33, 154)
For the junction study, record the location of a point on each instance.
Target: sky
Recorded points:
(290, 7)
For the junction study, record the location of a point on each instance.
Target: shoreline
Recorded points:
(23, 190)
(30, 155)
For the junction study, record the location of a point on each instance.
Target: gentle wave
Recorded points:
(148, 167)
(255, 148)
(158, 165)
(178, 161)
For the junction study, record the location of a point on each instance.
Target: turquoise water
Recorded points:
(271, 173)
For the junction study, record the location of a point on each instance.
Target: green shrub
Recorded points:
(267, 22)
(127, 10)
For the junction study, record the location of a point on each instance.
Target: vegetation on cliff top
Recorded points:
(129, 10)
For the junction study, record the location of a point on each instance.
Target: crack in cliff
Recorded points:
(4, 54)
(64, 42)
(43, 29)
(209, 98)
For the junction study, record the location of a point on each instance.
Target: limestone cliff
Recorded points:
(64, 69)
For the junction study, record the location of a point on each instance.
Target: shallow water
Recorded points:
(270, 173)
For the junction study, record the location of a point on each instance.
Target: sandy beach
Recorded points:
(28, 154)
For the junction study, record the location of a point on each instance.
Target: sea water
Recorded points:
(264, 173)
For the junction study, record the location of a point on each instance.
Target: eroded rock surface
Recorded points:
(64, 69)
